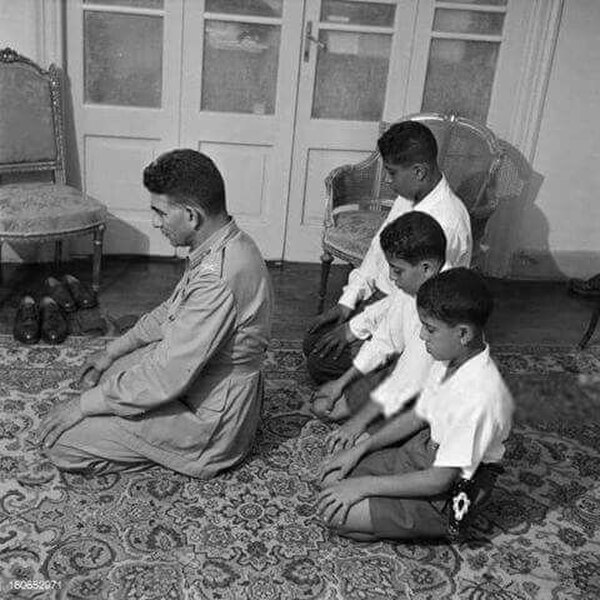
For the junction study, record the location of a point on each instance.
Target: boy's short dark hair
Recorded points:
(413, 237)
(408, 143)
(456, 296)
(189, 177)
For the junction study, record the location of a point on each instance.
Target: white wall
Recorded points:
(18, 27)
(560, 233)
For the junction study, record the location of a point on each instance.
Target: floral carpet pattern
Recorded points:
(253, 533)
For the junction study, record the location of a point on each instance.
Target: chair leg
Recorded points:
(97, 259)
(326, 260)
(57, 254)
(590, 328)
(1, 269)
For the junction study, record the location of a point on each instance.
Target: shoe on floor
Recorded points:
(54, 327)
(59, 292)
(26, 328)
(81, 294)
(585, 287)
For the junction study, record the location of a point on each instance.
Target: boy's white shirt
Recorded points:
(470, 414)
(398, 332)
(448, 210)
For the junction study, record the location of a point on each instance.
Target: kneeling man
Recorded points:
(183, 387)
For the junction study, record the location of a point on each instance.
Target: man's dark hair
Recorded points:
(189, 177)
(456, 296)
(408, 143)
(413, 237)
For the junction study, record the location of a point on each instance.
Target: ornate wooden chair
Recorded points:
(32, 140)
(359, 196)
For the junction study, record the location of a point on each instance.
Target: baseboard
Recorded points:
(559, 265)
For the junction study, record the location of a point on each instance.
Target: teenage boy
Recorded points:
(452, 440)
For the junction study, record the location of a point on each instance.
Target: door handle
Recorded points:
(308, 39)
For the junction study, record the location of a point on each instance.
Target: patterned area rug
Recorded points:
(253, 533)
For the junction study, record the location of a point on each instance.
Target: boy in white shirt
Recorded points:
(409, 153)
(453, 437)
(414, 246)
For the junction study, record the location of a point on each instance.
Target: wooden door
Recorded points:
(354, 65)
(238, 102)
(124, 60)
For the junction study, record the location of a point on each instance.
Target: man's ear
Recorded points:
(196, 216)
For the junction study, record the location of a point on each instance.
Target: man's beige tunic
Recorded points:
(191, 399)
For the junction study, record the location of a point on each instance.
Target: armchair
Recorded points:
(359, 196)
(32, 140)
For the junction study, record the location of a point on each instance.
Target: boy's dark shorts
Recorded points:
(411, 518)
(326, 368)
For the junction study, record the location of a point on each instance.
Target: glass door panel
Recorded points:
(466, 21)
(353, 57)
(463, 55)
(351, 77)
(460, 77)
(156, 4)
(358, 13)
(478, 2)
(256, 8)
(240, 67)
(122, 58)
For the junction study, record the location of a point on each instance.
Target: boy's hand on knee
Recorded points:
(325, 397)
(336, 314)
(335, 502)
(345, 437)
(342, 463)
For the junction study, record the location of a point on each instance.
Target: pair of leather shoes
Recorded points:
(44, 320)
(69, 293)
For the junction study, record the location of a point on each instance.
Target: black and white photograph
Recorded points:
(299, 299)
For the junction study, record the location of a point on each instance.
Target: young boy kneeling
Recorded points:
(453, 437)
(414, 246)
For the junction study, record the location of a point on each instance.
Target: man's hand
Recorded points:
(59, 419)
(334, 342)
(326, 396)
(336, 501)
(344, 437)
(339, 465)
(336, 314)
(92, 369)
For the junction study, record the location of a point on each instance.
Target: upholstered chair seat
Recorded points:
(349, 239)
(44, 209)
